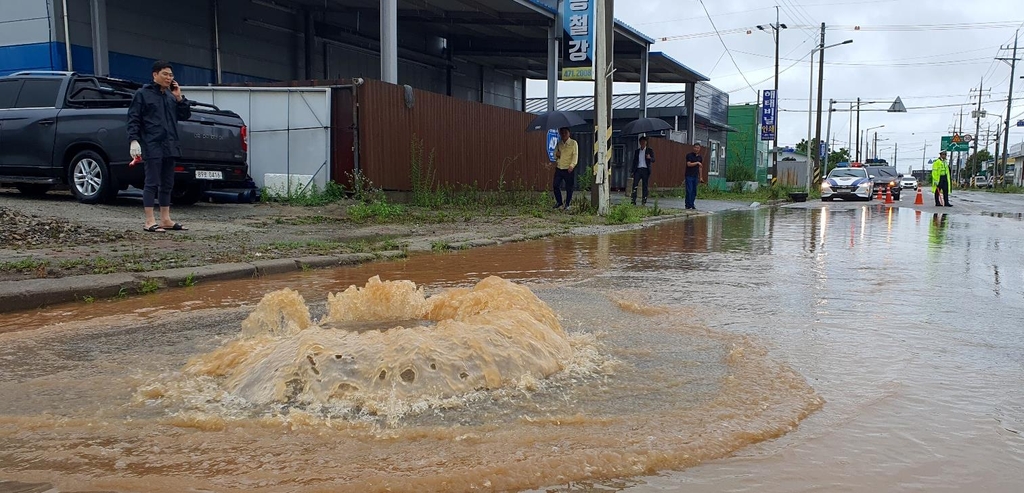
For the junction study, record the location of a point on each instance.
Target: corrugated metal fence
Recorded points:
(473, 144)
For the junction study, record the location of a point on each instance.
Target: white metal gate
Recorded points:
(289, 132)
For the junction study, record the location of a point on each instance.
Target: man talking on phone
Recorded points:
(153, 131)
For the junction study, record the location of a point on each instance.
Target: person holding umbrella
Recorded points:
(643, 158)
(567, 154)
(694, 162)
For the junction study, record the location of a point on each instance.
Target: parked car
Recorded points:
(847, 183)
(68, 129)
(886, 177)
(908, 182)
(982, 181)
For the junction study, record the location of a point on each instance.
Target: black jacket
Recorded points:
(153, 121)
(649, 155)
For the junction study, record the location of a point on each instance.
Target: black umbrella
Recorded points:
(645, 126)
(554, 120)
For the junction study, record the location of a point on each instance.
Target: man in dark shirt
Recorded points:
(153, 131)
(694, 162)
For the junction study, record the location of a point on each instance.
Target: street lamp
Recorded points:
(810, 99)
(776, 29)
(865, 139)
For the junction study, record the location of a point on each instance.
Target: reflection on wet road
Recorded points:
(906, 323)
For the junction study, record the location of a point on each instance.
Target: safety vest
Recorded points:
(939, 169)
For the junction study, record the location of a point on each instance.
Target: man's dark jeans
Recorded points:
(691, 191)
(942, 188)
(159, 182)
(568, 178)
(644, 175)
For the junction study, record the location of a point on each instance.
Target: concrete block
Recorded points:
(216, 272)
(278, 266)
(34, 293)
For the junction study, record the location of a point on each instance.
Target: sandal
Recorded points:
(154, 229)
(176, 227)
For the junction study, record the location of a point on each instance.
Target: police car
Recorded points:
(848, 184)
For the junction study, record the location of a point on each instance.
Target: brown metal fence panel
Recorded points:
(669, 171)
(473, 144)
(342, 136)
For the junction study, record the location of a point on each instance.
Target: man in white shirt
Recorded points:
(643, 158)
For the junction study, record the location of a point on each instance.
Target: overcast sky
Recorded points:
(899, 51)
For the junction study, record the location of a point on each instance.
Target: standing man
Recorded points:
(153, 131)
(694, 162)
(567, 154)
(941, 180)
(643, 158)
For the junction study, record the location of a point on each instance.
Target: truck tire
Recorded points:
(90, 180)
(186, 194)
(33, 189)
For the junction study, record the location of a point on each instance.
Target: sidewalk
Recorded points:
(33, 293)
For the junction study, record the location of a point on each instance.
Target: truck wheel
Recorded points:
(90, 180)
(186, 194)
(34, 189)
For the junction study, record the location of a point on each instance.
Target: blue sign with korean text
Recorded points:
(552, 144)
(578, 39)
(769, 110)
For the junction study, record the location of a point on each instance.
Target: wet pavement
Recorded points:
(906, 323)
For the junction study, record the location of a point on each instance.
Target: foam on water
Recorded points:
(487, 337)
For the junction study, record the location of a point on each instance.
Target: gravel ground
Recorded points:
(55, 236)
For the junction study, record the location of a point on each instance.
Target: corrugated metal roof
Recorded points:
(619, 102)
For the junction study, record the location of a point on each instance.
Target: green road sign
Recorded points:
(948, 144)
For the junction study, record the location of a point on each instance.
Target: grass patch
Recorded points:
(1006, 189)
(148, 286)
(440, 246)
(378, 211)
(762, 194)
(24, 265)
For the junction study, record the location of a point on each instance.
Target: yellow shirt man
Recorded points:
(567, 153)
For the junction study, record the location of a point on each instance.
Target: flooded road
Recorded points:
(893, 339)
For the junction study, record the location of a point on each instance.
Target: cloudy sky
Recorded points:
(931, 53)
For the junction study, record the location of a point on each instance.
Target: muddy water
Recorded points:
(691, 347)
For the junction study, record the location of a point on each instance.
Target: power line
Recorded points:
(726, 47)
(869, 28)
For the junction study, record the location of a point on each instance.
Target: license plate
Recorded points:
(209, 175)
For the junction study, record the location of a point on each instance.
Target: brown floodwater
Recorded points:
(849, 349)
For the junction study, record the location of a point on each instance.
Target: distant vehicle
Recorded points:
(982, 181)
(908, 182)
(68, 129)
(885, 177)
(847, 183)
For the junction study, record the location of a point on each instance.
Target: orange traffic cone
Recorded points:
(920, 197)
(879, 194)
(888, 196)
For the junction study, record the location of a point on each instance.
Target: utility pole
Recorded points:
(924, 160)
(1009, 101)
(858, 131)
(959, 154)
(775, 143)
(828, 137)
(874, 147)
(977, 124)
(997, 150)
(821, 85)
(895, 153)
(603, 61)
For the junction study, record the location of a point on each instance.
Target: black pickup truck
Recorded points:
(68, 129)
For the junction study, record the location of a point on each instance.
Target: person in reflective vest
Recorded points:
(941, 180)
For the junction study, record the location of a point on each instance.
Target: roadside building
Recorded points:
(746, 150)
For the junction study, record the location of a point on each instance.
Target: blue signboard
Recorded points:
(769, 110)
(578, 39)
(552, 143)
(1020, 123)
(823, 152)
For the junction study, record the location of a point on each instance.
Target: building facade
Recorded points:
(746, 149)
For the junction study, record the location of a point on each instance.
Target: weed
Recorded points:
(626, 214)
(440, 246)
(122, 293)
(309, 196)
(389, 244)
(306, 267)
(190, 280)
(380, 211)
(71, 263)
(148, 286)
(88, 299)
(24, 265)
